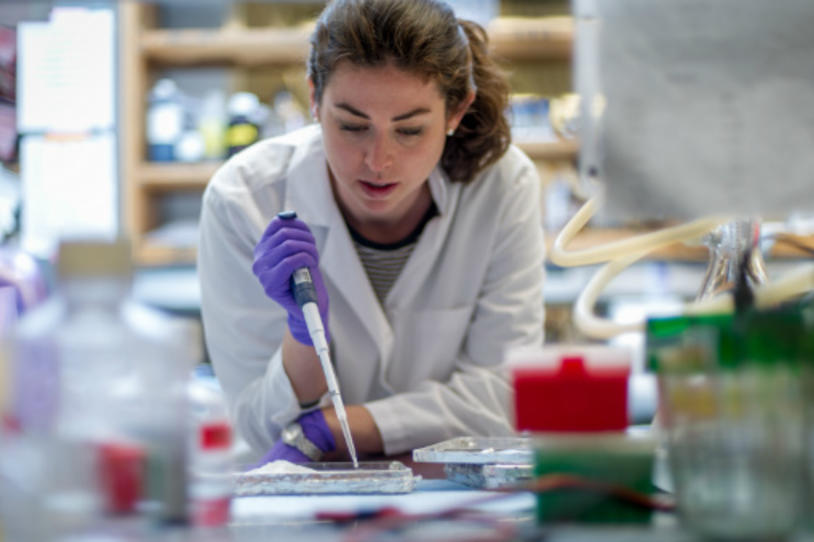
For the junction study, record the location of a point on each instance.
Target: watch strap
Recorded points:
(301, 442)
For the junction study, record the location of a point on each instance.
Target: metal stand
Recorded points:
(728, 245)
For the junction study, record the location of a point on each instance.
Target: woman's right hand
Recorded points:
(288, 245)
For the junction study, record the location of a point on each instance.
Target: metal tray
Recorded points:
(330, 478)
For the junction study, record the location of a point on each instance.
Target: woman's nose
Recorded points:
(379, 155)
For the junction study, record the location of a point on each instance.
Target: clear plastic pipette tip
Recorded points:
(317, 332)
(343, 423)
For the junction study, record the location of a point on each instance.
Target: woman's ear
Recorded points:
(460, 111)
(314, 107)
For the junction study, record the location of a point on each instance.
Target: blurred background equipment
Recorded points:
(677, 125)
(685, 116)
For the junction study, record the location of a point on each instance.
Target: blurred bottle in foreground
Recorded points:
(210, 456)
(96, 418)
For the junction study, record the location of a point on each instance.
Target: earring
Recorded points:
(451, 131)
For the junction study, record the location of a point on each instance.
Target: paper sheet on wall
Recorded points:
(66, 72)
(708, 106)
(68, 190)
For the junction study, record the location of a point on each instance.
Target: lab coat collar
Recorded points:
(438, 189)
(308, 190)
(418, 267)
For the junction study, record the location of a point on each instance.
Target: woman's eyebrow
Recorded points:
(412, 113)
(353, 111)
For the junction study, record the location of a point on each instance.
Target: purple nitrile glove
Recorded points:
(315, 429)
(287, 245)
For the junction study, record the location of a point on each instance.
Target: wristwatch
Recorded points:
(295, 437)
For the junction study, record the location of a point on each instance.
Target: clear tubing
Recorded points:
(317, 332)
(643, 243)
(796, 282)
(621, 254)
(584, 318)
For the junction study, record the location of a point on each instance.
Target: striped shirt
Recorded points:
(383, 262)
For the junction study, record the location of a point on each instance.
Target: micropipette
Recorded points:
(302, 286)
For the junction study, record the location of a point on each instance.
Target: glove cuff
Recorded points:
(316, 430)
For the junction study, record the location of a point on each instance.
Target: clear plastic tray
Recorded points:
(330, 478)
(478, 450)
(482, 462)
(489, 476)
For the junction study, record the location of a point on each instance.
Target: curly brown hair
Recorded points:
(422, 37)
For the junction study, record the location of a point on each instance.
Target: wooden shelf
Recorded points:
(175, 175)
(156, 255)
(550, 150)
(510, 38)
(532, 38)
(248, 46)
(156, 176)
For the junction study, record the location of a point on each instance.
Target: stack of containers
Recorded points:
(731, 403)
(588, 467)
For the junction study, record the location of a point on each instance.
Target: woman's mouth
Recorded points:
(377, 190)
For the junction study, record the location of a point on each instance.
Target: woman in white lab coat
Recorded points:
(426, 225)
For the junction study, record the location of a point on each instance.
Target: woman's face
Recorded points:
(384, 131)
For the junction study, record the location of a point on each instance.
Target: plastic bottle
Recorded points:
(210, 455)
(98, 396)
(243, 129)
(212, 124)
(165, 120)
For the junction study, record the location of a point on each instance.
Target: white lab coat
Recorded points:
(426, 364)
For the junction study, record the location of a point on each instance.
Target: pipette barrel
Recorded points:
(302, 287)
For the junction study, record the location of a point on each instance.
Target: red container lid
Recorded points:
(570, 396)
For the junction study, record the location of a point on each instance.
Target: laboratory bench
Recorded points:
(306, 518)
(325, 518)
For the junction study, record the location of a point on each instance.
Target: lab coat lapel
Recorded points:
(345, 271)
(309, 193)
(415, 273)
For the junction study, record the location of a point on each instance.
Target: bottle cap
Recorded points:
(164, 89)
(243, 103)
(94, 258)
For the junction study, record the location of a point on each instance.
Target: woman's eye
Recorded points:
(410, 131)
(353, 127)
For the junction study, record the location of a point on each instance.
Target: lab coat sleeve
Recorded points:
(508, 312)
(243, 328)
